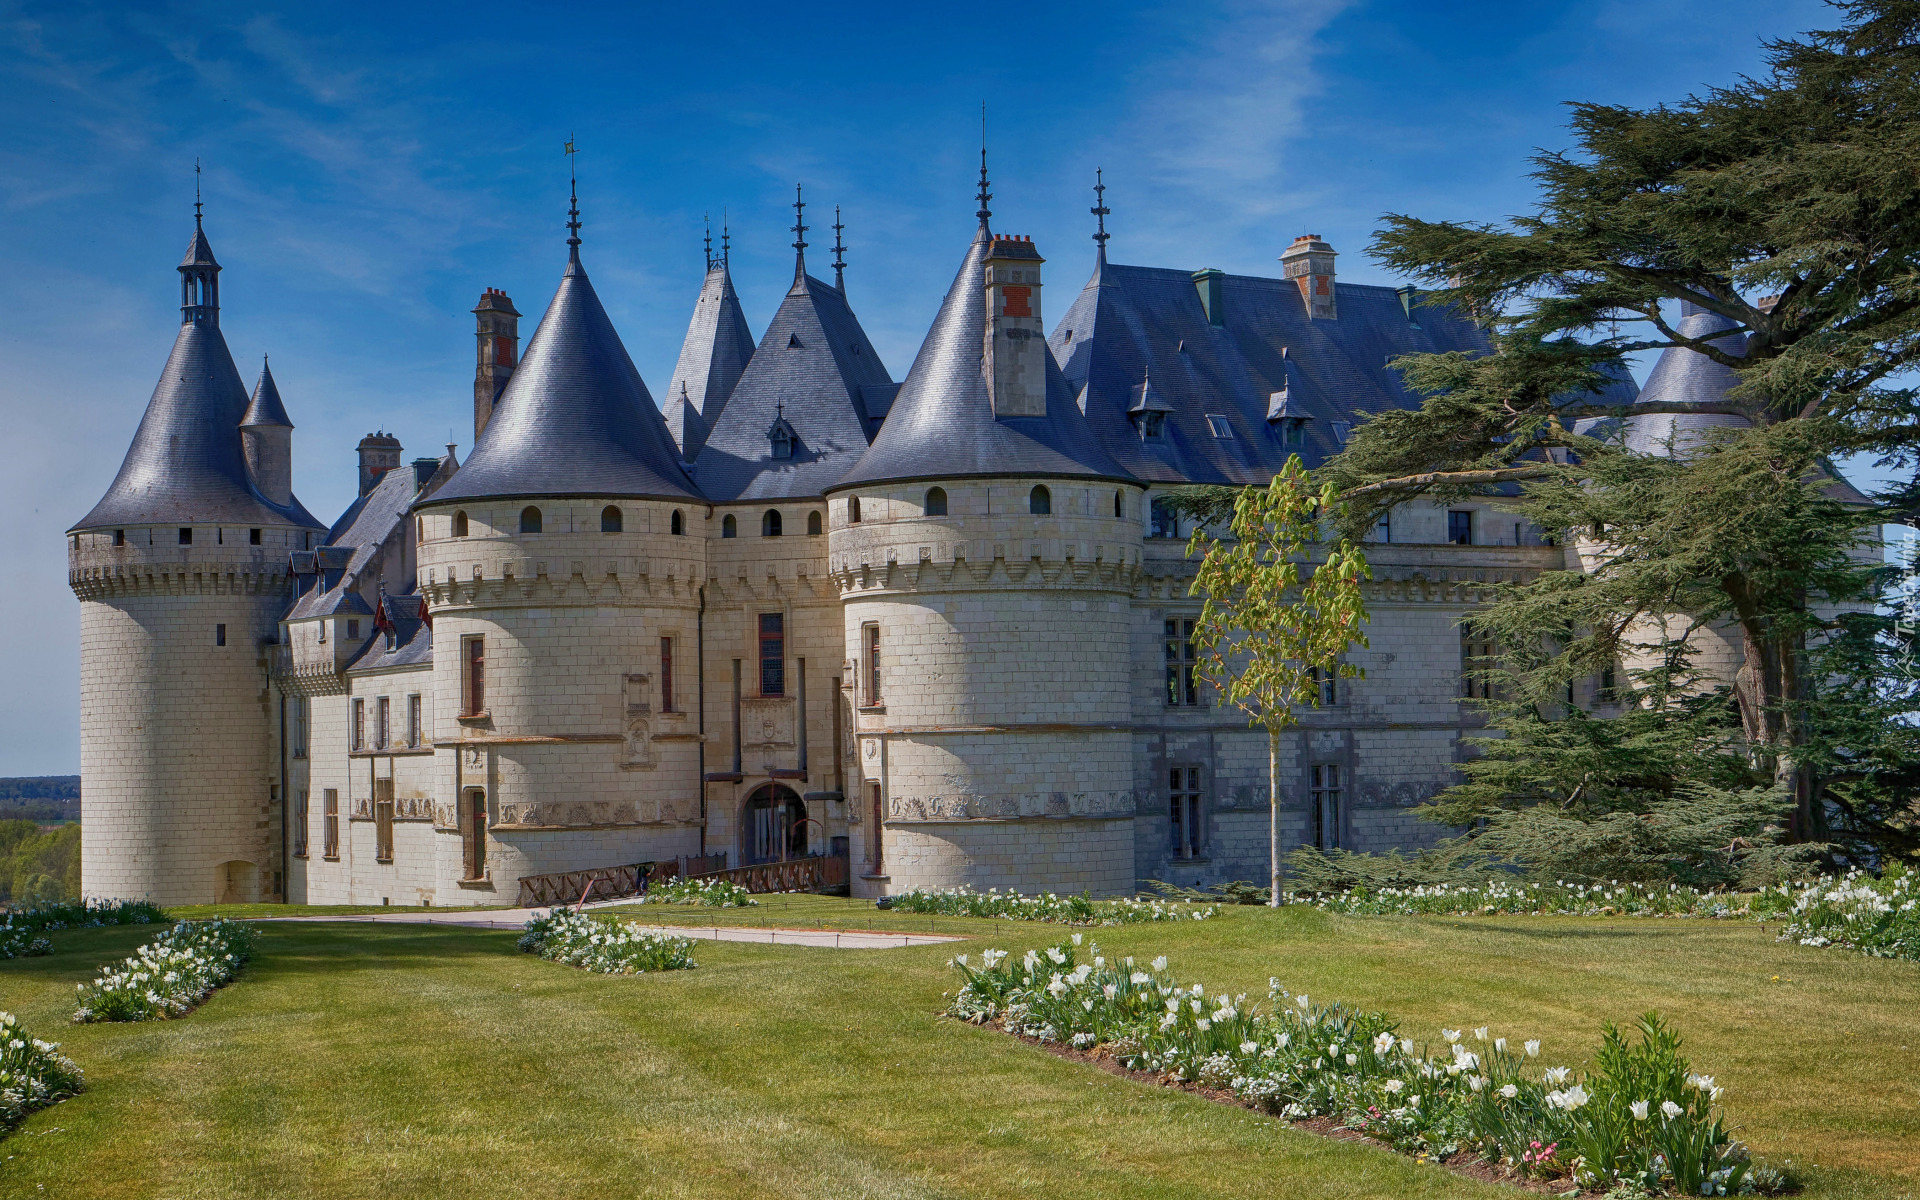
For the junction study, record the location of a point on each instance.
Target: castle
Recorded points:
(939, 627)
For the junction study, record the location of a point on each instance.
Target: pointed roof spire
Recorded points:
(716, 350)
(726, 253)
(839, 254)
(1101, 212)
(799, 228)
(266, 407)
(709, 220)
(984, 194)
(199, 250)
(573, 208)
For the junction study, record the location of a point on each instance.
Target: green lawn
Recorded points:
(368, 1060)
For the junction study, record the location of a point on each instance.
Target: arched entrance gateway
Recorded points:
(772, 817)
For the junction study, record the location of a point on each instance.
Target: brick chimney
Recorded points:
(1016, 349)
(1309, 263)
(379, 453)
(497, 331)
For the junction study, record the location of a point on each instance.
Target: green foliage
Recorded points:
(33, 1073)
(604, 945)
(700, 893)
(1082, 909)
(37, 866)
(169, 976)
(1264, 637)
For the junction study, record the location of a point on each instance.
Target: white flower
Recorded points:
(961, 959)
(1382, 1043)
(1481, 1033)
(1555, 1076)
(1194, 1005)
(1249, 1047)
(1056, 954)
(1353, 1059)
(1477, 1082)
(1406, 1045)
(1284, 1039)
(1076, 939)
(1160, 964)
(1301, 1000)
(1203, 1024)
(1509, 1091)
(1500, 1045)
(1139, 977)
(1670, 1110)
(1393, 1086)
(1110, 991)
(1576, 1096)
(1533, 1049)
(1452, 1035)
(1639, 1108)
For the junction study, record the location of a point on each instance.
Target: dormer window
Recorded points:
(1219, 426)
(793, 341)
(1153, 426)
(781, 435)
(1340, 429)
(1148, 412)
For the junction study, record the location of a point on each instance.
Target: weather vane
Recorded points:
(573, 198)
(1100, 210)
(839, 253)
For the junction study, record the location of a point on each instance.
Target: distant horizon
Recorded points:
(368, 172)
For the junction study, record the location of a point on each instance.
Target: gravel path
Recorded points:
(515, 918)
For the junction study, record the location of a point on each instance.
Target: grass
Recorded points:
(386, 1060)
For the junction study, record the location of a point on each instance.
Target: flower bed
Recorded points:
(706, 893)
(20, 941)
(169, 976)
(1637, 1118)
(1064, 910)
(1876, 916)
(33, 1073)
(605, 945)
(87, 914)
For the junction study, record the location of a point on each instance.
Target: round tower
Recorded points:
(561, 566)
(985, 549)
(181, 572)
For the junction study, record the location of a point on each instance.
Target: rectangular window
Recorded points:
(119, 537)
(357, 734)
(186, 537)
(1340, 429)
(773, 655)
(383, 820)
(1608, 693)
(353, 630)
(219, 635)
(1460, 526)
(1183, 797)
(1383, 530)
(1219, 426)
(1326, 793)
(253, 537)
(330, 815)
(301, 713)
(473, 684)
(1476, 662)
(870, 665)
(300, 819)
(1165, 519)
(323, 632)
(413, 722)
(382, 726)
(666, 674)
(876, 842)
(1183, 688)
(1326, 687)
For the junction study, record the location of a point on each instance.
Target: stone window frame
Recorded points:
(1326, 799)
(330, 829)
(1187, 811)
(357, 724)
(1183, 688)
(870, 696)
(416, 721)
(302, 818)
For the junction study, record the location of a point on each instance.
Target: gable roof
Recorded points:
(816, 370)
(942, 424)
(716, 351)
(184, 464)
(575, 419)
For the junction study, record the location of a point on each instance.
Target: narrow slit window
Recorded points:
(870, 655)
(1183, 684)
(1325, 796)
(666, 675)
(773, 655)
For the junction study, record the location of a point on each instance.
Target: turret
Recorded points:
(496, 351)
(714, 356)
(266, 440)
(379, 453)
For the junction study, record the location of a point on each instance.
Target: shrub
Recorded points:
(1638, 1118)
(706, 893)
(87, 914)
(169, 976)
(603, 944)
(1064, 910)
(33, 1073)
(18, 941)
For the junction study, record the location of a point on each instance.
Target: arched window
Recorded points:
(729, 527)
(679, 525)
(853, 510)
(936, 502)
(770, 523)
(1119, 505)
(529, 519)
(1040, 500)
(610, 519)
(813, 522)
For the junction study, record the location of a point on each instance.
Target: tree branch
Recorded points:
(1429, 478)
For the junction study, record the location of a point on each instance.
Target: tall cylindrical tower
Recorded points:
(985, 549)
(563, 583)
(181, 572)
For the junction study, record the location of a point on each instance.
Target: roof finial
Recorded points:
(196, 193)
(1100, 212)
(839, 254)
(985, 195)
(708, 217)
(726, 252)
(573, 205)
(799, 234)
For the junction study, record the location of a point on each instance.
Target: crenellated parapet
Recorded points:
(108, 564)
(639, 563)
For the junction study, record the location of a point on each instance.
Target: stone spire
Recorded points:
(716, 351)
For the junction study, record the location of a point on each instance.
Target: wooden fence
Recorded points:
(815, 874)
(600, 883)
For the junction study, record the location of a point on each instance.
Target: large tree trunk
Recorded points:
(1278, 897)
(1772, 689)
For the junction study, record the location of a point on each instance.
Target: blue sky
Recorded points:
(368, 170)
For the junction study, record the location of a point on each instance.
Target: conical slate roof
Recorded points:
(266, 408)
(811, 370)
(575, 419)
(718, 347)
(942, 423)
(184, 465)
(199, 250)
(1683, 376)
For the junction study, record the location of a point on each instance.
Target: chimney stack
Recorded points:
(1309, 263)
(379, 453)
(1016, 349)
(497, 330)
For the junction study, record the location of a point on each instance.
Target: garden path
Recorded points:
(515, 918)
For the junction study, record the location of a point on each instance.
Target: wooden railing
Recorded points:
(815, 874)
(599, 883)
